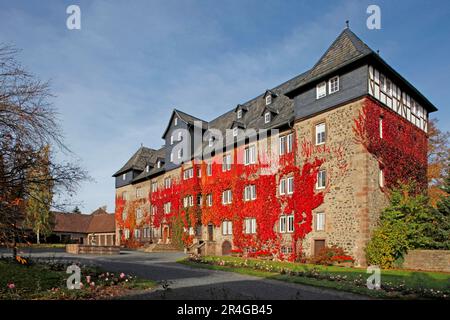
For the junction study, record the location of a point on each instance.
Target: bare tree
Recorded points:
(28, 125)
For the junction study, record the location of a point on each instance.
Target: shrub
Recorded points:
(329, 255)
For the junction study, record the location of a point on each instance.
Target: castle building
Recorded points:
(328, 145)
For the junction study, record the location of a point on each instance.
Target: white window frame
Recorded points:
(321, 90)
(333, 85)
(282, 145)
(320, 183)
(211, 141)
(381, 178)
(239, 114)
(235, 131)
(320, 221)
(290, 223)
(227, 197)
(282, 224)
(289, 142)
(124, 177)
(171, 156)
(209, 200)
(226, 162)
(171, 139)
(289, 185)
(250, 226)
(268, 99)
(320, 133)
(167, 183)
(139, 192)
(158, 164)
(188, 174)
(250, 155)
(167, 207)
(209, 169)
(154, 187)
(175, 121)
(250, 192)
(139, 213)
(227, 228)
(282, 186)
(267, 117)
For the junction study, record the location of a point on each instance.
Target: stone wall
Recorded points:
(430, 260)
(87, 249)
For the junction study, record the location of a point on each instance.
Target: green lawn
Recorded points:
(48, 281)
(394, 283)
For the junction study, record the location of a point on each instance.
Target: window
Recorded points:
(320, 221)
(171, 157)
(188, 201)
(333, 85)
(250, 226)
(188, 173)
(139, 192)
(158, 164)
(321, 90)
(154, 186)
(250, 193)
(290, 185)
(209, 200)
(381, 127)
(320, 133)
(267, 117)
(282, 186)
(199, 172)
(154, 210)
(175, 121)
(268, 99)
(124, 215)
(199, 200)
(124, 195)
(209, 169)
(282, 226)
(167, 207)
(226, 164)
(321, 179)
(211, 141)
(147, 168)
(286, 144)
(290, 223)
(250, 155)
(171, 139)
(381, 178)
(235, 132)
(139, 213)
(227, 228)
(289, 143)
(167, 183)
(226, 197)
(137, 233)
(239, 114)
(127, 233)
(124, 176)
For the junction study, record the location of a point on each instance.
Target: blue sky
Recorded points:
(117, 79)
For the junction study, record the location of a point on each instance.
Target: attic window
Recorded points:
(211, 141)
(267, 117)
(235, 132)
(147, 168)
(124, 176)
(175, 121)
(333, 85)
(268, 99)
(321, 90)
(239, 114)
(159, 164)
(171, 139)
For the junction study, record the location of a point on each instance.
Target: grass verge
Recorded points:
(397, 284)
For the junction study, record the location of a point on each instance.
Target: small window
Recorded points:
(268, 99)
(211, 141)
(175, 121)
(320, 221)
(154, 186)
(139, 192)
(227, 228)
(290, 185)
(250, 193)
(159, 164)
(167, 183)
(239, 113)
(282, 186)
(209, 200)
(250, 226)
(333, 85)
(282, 226)
(235, 132)
(226, 197)
(226, 163)
(321, 179)
(199, 172)
(250, 155)
(171, 157)
(321, 90)
(267, 117)
(209, 169)
(381, 178)
(139, 213)
(290, 223)
(124, 176)
(171, 139)
(320, 133)
(381, 127)
(124, 195)
(147, 168)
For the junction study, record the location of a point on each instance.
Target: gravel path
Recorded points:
(189, 283)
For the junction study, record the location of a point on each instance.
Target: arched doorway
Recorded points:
(226, 248)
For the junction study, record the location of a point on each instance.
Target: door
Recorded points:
(210, 232)
(165, 234)
(318, 245)
(226, 248)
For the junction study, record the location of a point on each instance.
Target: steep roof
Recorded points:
(138, 161)
(186, 118)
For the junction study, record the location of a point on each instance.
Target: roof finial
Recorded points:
(378, 52)
(347, 23)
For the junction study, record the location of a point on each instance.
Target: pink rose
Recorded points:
(88, 279)
(122, 275)
(11, 285)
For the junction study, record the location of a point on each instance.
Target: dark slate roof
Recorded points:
(186, 118)
(138, 161)
(158, 154)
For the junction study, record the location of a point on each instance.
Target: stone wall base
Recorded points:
(428, 260)
(88, 249)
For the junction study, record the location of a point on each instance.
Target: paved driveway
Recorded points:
(188, 283)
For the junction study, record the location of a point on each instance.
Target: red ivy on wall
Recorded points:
(401, 148)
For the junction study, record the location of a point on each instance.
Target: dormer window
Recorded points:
(211, 141)
(239, 114)
(180, 153)
(333, 85)
(147, 168)
(171, 139)
(158, 164)
(268, 99)
(235, 132)
(267, 117)
(124, 176)
(175, 121)
(171, 157)
(321, 90)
